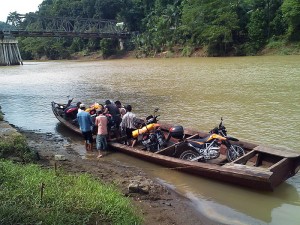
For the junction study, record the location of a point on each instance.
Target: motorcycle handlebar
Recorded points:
(232, 138)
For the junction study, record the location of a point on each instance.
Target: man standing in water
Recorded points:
(101, 139)
(86, 126)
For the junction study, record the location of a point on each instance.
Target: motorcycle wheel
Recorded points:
(189, 155)
(234, 152)
(153, 148)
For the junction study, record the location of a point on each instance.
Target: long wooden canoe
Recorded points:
(262, 167)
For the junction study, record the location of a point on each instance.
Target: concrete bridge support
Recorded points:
(121, 44)
(9, 52)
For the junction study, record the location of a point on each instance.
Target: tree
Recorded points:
(107, 9)
(211, 23)
(108, 47)
(291, 14)
(257, 29)
(161, 26)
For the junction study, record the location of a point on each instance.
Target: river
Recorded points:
(258, 98)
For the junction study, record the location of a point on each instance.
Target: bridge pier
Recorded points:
(9, 52)
(121, 44)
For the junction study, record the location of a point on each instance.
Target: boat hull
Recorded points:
(230, 175)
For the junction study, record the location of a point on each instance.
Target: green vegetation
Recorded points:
(282, 48)
(107, 47)
(16, 145)
(30, 195)
(1, 115)
(221, 28)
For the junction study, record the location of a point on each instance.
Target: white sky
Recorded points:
(21, 6)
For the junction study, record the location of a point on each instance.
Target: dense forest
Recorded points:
(216, 27)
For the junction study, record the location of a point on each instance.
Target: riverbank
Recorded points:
(273, 48)
(159, 204)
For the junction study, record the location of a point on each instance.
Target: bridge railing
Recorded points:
(34, 25)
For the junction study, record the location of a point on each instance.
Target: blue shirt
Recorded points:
(85, 121)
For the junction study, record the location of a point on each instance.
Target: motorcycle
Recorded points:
(208, 148)
(64, 106)
(153, 138)
(69, 110)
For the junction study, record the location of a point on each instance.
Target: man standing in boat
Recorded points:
(86, 126)
(114, 111)
(128, 125)
(121, 108)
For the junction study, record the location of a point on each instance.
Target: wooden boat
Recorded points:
(262, 167)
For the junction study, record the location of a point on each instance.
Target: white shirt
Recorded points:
(128, 120)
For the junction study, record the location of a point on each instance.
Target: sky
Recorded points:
(21, 6)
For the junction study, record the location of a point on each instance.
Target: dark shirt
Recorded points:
(113, 110)
(115, 113)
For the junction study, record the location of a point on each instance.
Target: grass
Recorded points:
(1, 115)
(281, 47)
(16, 145)
(65, 199)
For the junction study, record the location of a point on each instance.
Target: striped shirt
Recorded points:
(128, 120)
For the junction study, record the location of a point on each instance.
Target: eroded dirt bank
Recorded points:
(159, 204)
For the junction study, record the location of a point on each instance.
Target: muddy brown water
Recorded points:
(258, 97)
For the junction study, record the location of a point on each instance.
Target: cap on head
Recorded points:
(82, 106)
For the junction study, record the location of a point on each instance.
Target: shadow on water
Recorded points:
(67, 133)
(235, 202)
(75, 140)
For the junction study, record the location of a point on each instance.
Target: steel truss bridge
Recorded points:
(31, 25)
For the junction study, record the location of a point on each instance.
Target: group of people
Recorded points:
(121, 117)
